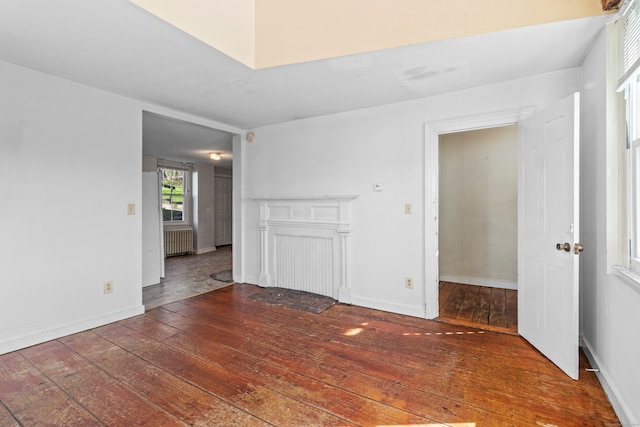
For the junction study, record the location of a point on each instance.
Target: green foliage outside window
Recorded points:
(173, 182)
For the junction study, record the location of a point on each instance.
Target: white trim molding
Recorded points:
(621, 408)
(480, 281)
(68, 329)
(432, 132)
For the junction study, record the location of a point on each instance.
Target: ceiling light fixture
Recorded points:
(215, 156)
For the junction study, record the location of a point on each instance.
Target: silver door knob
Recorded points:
(564, 247)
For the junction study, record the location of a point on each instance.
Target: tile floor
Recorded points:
(188, 275)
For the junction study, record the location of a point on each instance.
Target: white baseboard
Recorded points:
(619, 405)
(205, 250)
(52, 334)
(478, 281)
(386, 306)
(344, 295)
(250, 280)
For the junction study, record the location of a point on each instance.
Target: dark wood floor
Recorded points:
(492, 309)
(223, 359)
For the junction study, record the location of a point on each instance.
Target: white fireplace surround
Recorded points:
(304, 243)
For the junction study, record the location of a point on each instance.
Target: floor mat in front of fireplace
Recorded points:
(299, 300)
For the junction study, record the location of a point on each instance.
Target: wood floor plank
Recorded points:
(542, 365)
(358, 360)
(445, 291)
(411, 325)
(511, 308)
(337, 401)
(185, 401)
(452, 304)
(308, 322)
(222, 358)
(241, 390)
(319, 394)
(339, 367)
(6, 418)
(481, 315)
(481, 306)
(325, 356)
(469, 304)
(381, 338)
(513, 348)
(497, 311)
(110, 401)
(33, 399)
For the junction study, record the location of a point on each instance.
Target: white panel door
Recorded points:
(548, 232)
(223, 191)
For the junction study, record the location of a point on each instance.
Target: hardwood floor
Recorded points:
(221, 358)
(492, 309)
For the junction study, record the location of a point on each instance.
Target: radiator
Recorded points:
(178, 241)
(304, 263)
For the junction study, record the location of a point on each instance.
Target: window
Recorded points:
(632, 98)
(628, 73)
(174, 194)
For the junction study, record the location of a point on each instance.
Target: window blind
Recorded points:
(629, 42)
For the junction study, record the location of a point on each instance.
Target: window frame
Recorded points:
(186, 193)
(631, 140)
(620, 209)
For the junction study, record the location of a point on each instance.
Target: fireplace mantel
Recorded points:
(304, 243)
(314, 211)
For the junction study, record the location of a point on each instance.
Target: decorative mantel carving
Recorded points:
(304, 243)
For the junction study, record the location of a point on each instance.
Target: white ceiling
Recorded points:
(116, 46)
(172, 139)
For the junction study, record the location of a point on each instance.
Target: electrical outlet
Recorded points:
(107, 287)
(408, 282)
(408, 209)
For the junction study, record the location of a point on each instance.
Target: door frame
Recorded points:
(432, 132)
(215, 216)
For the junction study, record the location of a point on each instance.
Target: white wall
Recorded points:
(224, 172)
(478, 201)
(347, 153)
(149, 164)
(610, 306)
(70, 158)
